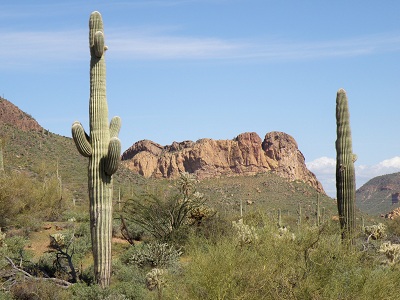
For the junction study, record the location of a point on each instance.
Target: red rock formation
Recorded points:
(11, 114)
(247, 154)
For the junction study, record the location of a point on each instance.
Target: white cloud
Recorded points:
(387, 166)
(169, 46)
(27, 47)
(35, 47)
(324, 165)
(324, 168)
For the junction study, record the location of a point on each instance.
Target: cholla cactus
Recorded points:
(375, 232)
(57, 240)
(245, 234)
(156, 255)
(198, 214)
(155, 281)
(284, 233)
(392, 251)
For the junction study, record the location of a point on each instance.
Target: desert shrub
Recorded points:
(214, 227)
(314, 265)
(5, 295)
(38, 290)
(26, 201)
(16, 249)
(70, 248)
(159, 255)
(119, 291)
(167, 215)
(89, 292)
(128, 280)
(80, 215)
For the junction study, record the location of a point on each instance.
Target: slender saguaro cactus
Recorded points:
(1, 158)
(345, 175)
(103, 148)
(318, 211)
(299, 215)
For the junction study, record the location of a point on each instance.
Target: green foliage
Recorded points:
(165, 215)
(38, 290)
(14, 248)
(313, 265)
(155, 255)
(26, 201)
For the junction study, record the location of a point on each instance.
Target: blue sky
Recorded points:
(188, 69)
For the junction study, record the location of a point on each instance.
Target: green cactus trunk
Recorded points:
(103, 149)
(345, 174)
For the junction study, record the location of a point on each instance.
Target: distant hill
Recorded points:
(379, 195)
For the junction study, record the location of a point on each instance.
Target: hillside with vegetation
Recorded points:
(239, 237)
(380, 195)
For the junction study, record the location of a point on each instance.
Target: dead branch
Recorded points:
(11, 276)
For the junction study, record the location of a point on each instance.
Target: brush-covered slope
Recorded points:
(379, 195)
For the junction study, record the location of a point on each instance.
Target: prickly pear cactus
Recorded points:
(345, 175)
(103, 148)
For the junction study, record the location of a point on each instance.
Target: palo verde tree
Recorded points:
(103, 149)
(345, 174)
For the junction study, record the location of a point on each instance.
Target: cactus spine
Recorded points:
(345, 175)
(103, 148)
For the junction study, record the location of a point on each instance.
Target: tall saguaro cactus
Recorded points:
(103, 148)
(345, 175)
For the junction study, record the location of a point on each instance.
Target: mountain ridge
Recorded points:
(246, 154)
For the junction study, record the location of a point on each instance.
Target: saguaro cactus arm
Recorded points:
(81, 139)
(115, 126)
(114, 147)
(113, 157)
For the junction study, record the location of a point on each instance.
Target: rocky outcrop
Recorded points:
(394, 214)
(12, 115)
(247, 154)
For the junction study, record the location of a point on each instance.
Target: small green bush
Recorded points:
(38, 290)
(155, 255)
(167, 215)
